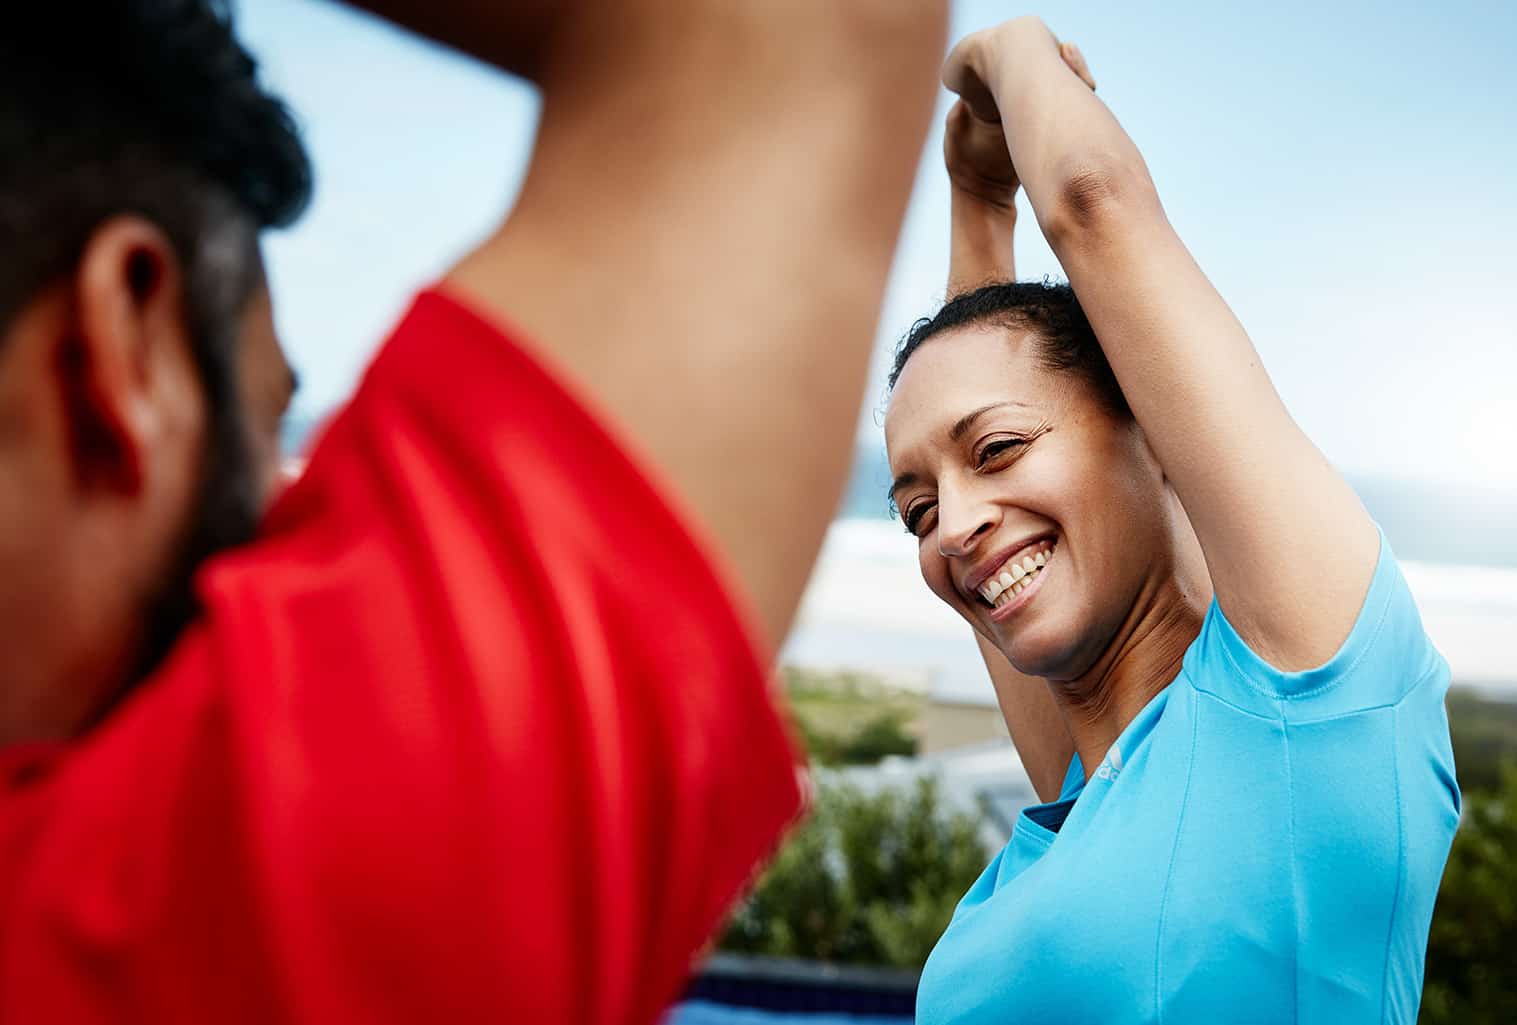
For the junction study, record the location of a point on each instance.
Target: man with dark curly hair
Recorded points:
(471, 722)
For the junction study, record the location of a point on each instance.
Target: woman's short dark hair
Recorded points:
(1048, 310)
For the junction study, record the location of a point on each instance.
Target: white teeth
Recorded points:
(1015, 578)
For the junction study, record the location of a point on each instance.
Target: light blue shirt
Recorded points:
(1258, 846)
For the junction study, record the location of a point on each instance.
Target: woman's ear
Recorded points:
(128, 308)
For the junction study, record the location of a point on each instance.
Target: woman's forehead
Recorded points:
(957, 373)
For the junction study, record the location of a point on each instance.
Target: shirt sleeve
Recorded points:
(1385, 656)
(474, 733)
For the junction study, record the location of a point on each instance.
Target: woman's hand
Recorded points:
(984, 189)
(975, 153)
(974, 147)
(975, 66)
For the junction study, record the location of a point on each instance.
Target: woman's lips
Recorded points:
(1030, 585)
(1016, 573)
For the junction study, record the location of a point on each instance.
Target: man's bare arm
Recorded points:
(515, 36)
(704, 234)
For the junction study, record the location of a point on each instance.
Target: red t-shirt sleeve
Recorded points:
(473, 733)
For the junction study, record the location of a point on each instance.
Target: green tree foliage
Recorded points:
(1484, 733)
(869, 879)
(1472, 948)
(886, 733)
(850, 718)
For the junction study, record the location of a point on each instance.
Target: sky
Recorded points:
(1345, 173)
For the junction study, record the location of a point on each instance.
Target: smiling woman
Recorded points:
(1063, 445)
(1103, 482)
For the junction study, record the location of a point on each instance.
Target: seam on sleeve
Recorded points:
(1169, 872)
(1232, 706)
(1275, 693)
(1432, 673)
(1385, 970)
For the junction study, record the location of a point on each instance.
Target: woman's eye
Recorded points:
(995, 449)
(918, 518)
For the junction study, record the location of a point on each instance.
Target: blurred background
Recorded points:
(1345, 175)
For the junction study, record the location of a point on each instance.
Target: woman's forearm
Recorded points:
(980, 242)
(1034, 721)
(980, 252)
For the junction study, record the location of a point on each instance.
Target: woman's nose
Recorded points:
(963, 522)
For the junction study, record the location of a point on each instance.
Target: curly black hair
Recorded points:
(152, 108)
(138, 106)
(1048, 309)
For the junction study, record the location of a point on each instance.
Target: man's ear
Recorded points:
(127, 306)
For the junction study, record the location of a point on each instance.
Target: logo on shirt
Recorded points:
(1111, 765)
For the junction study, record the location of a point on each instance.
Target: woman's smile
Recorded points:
(1010, 575)
(1026, 575)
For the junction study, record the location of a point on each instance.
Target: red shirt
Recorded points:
(472, 733)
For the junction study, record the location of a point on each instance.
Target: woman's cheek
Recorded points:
(935, 573)
(925, 560)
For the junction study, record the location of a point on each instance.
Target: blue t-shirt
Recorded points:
(1257, 846)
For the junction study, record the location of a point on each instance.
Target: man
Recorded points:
(471, 723)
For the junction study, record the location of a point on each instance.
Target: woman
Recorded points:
(1111, 492)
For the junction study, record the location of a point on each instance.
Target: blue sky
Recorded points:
(1347, 176)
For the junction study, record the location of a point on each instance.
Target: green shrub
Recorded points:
(880, 735)
(851, 718)
(1472, 948)
(869, 879)
(1484, 733)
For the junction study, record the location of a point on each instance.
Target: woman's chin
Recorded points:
(1036, 650)
(1035, 645)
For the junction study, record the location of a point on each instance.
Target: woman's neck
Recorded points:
(1144, 656)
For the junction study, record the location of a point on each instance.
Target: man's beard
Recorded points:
(225, 516)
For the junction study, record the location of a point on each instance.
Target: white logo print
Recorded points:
(1111, 765)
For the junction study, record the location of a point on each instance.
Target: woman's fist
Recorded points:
(974, 145)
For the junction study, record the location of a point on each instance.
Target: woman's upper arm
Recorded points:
(1289, 547)
(1033, 720)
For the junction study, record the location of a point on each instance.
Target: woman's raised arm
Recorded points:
(1290, 549)
(983, 189)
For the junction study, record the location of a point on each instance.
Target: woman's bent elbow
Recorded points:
(1093, 196)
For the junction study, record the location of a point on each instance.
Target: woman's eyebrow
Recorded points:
(966, 421)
